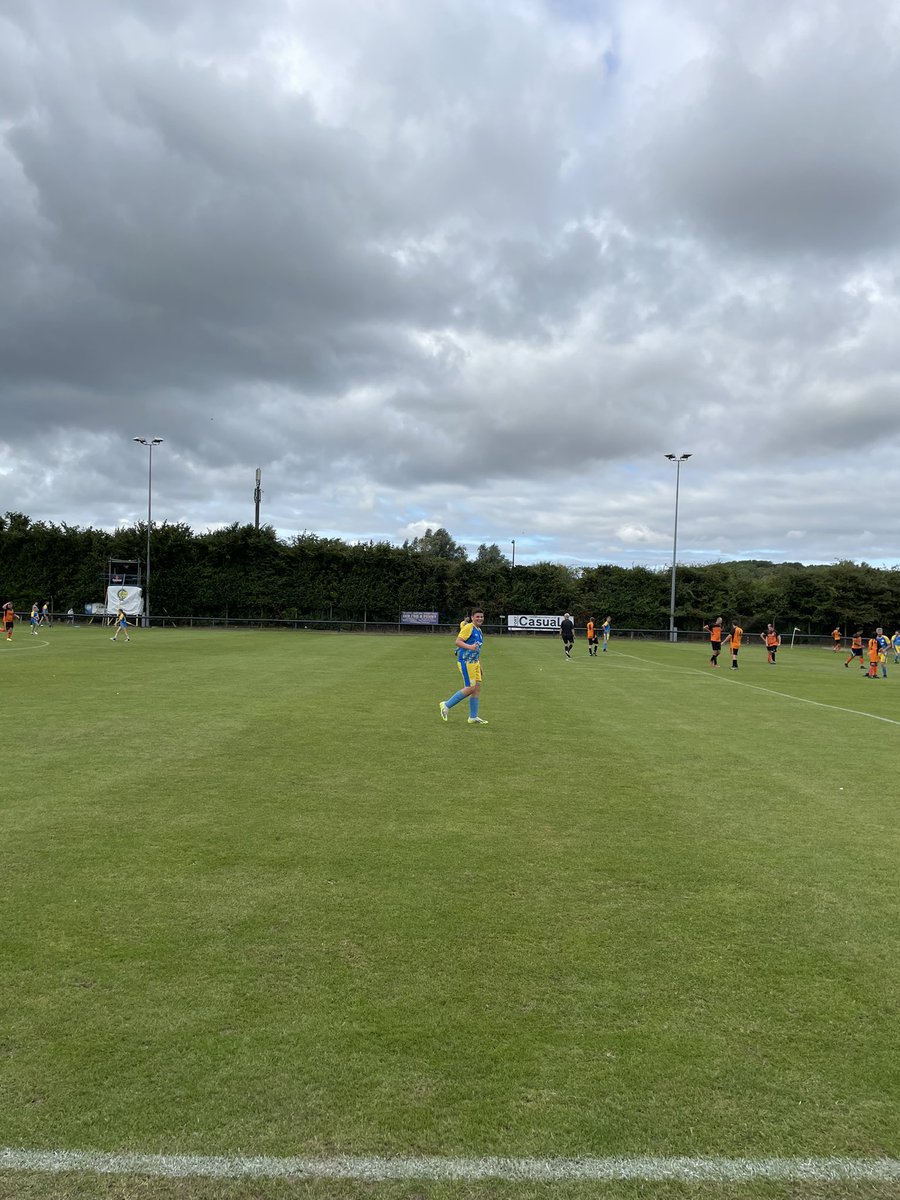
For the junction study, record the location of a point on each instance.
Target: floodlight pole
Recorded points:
(514, 554)
(677, 460)
(149, 443)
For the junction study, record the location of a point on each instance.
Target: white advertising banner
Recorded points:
(534, 624)
(129, 599)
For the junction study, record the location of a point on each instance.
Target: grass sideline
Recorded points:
(260, 900)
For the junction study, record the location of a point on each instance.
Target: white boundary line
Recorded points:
(7, 647)
(770, 691)
(378, 1169)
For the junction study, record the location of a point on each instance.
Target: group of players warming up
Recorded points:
(877, 649)
(41, 616)
(734, 636)
(37, 617)
(567, 633)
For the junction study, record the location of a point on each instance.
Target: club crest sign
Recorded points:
(129, 599)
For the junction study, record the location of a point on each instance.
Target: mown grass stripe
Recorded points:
(381, 1169)
(755, 687)
(855, 712)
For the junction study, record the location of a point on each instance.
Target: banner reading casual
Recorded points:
(533, 623)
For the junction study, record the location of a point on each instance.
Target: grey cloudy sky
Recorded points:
(470, 263)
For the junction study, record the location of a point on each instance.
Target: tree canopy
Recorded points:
(244, 572)
(439, 544)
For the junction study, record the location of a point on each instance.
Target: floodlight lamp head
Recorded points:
(156, 441)
(143, 441)
(670, 457)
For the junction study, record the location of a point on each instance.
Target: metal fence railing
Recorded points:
(442, 629)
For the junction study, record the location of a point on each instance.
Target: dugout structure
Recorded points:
(124, 586)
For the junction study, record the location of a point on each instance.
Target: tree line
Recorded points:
(241, 572)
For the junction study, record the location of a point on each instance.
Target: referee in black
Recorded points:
(567, 632)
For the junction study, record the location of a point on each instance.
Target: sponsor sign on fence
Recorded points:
(533, 623)
(418, 618)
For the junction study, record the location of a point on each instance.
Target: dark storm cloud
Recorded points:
(220, 247)
(196, 228)
(451, 263)
(202, 230)
(788, 144)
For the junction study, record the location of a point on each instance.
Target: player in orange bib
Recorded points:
(592, 640)
(872, 649)
(734, 637)
(772, 642)
(715, 641)
(9, 619)
(856, 650)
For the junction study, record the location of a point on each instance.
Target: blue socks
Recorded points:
(458, 696)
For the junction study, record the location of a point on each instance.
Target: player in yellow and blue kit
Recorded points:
(895, 643)
(883, 645)
(468, 653)
(121, 626)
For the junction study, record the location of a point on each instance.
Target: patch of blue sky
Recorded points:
(591, 12)
(581, 11)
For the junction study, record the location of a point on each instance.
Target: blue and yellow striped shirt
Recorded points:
(469, 632)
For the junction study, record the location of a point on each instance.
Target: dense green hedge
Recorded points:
(247, 573)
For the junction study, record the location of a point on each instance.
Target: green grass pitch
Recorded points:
(258, 899)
